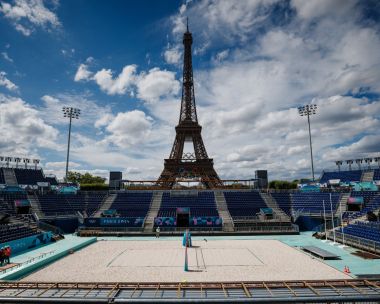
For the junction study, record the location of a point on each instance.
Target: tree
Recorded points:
(87, 178)
(282, 185)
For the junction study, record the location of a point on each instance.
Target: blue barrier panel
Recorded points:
(165, 221)
(114, 222)
(201, 221)
(29, 242)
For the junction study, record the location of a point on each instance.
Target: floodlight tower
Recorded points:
(26, 162)
(377, 159)
(359, 161)
(339, 163)
(36, 162)
(349, 163)
(307, 111)
(368, 160)
(70, 113)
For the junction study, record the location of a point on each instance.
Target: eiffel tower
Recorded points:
(180, 165)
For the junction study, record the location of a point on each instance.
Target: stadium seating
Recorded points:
(343, 176)
(52, 204)
(365, 230)
(10, 232)
(7, 201)
(283, 201)
(312, 202)
(201, 205)
(132, 204)
(368, 196)
(29, 176)
(244, 204)
(376, 175)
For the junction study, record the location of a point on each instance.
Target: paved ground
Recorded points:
(163, 261)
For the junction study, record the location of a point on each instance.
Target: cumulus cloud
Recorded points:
(26, 15)
(129, 128)
(151, 86)
(118, 85)
(82, 74)
(5, 82)
(23, 128)
(156, 84)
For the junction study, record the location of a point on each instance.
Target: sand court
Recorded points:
(163, 261)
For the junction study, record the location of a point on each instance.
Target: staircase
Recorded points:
(271, 203)
(342, 204)
(221, 205)
(35, 204)
(153, 211)
(367, 176)
(10, 177)
(106, 204)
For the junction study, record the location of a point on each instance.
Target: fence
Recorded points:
(356, 241)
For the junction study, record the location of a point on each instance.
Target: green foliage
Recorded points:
(87, 178)
(283, 185)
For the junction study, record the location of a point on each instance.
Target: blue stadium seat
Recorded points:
(201, 205)
(344, 176)
(244, 204)
(365, 230)
(132, 204)
(312, 202)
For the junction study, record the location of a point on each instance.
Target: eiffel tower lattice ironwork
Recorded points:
(182, 165)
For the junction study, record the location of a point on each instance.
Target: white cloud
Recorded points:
(321, 8)
(129, 128)
(220, 56)
(5, 82)
(23, 129)
(26, 15)
(156, 84)
(120, 84)
(173, 55)
(82, 74)
(6, 57)
(91, 110)
(151, 86)
(61, 165)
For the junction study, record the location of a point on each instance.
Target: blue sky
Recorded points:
(254, 63)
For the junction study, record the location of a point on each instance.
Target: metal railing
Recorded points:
(16, 266)
(356, 241)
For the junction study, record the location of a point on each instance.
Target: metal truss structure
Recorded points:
(337, 291)
(195, 165)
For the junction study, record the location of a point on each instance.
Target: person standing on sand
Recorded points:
(157, 232)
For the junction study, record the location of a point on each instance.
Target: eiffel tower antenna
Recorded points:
(180, 165)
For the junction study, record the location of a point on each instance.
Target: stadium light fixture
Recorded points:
(36, 162)
(359, 161)
(377, 159)
(69, 112)
(26, 162)
(8, 159)
(307, 111)
(17, 161)
(349, 163)
(339, 163)
(368, 161)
